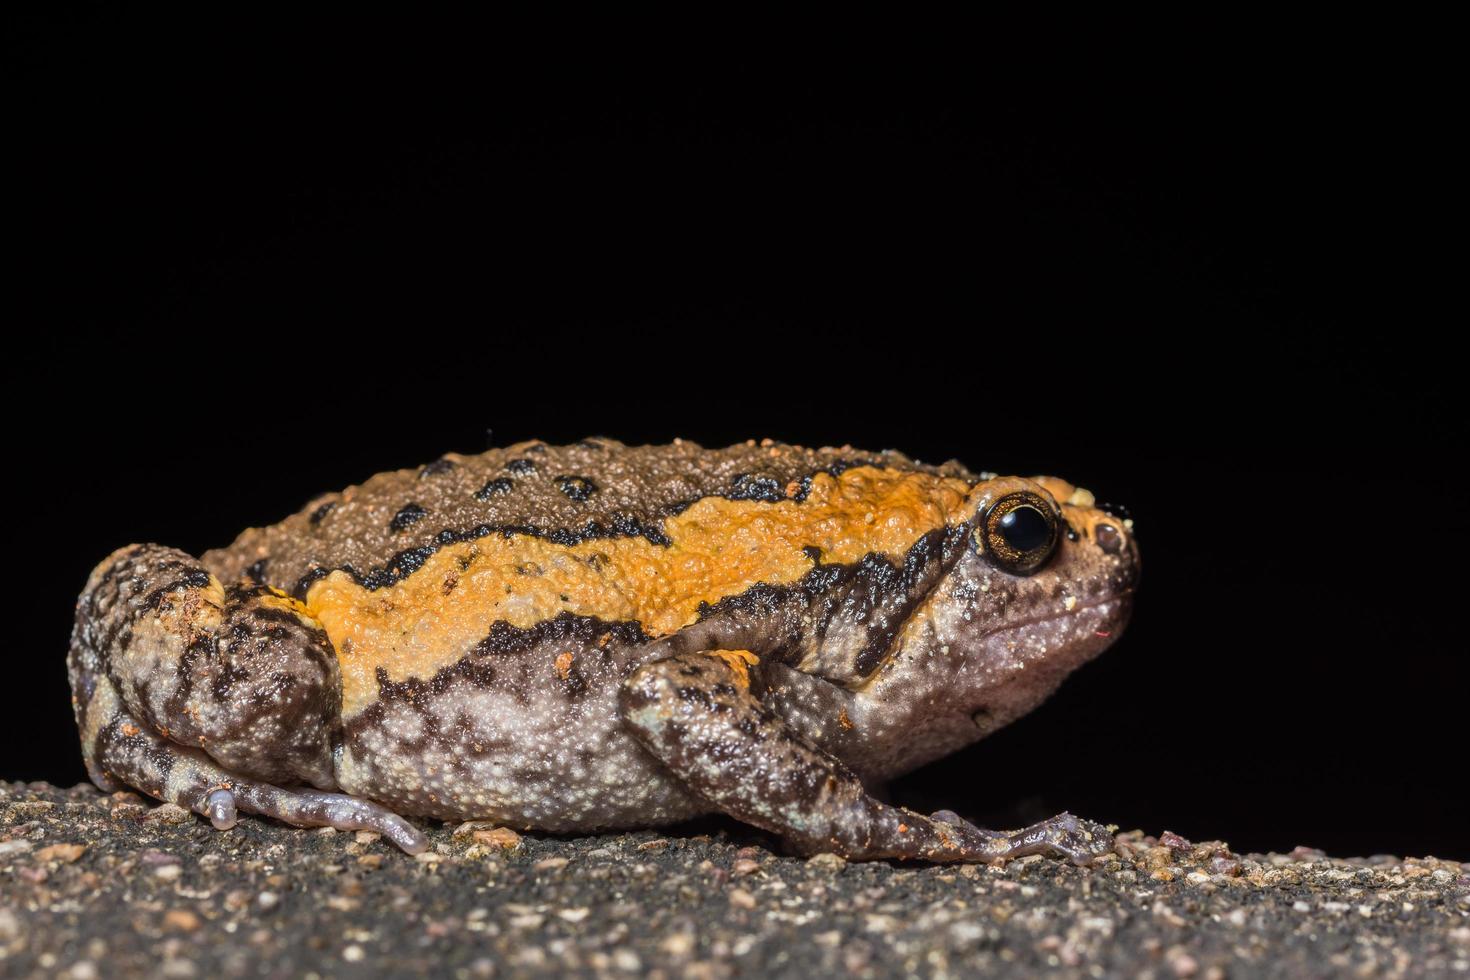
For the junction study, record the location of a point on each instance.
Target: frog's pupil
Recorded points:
(1025, 528)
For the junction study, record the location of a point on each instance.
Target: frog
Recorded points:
(598, 636)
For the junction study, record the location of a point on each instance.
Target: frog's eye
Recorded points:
(1018, 533)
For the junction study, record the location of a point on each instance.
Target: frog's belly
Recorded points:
(532, 739)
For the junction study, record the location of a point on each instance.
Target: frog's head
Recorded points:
(1045, 584)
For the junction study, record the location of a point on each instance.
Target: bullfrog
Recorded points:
(596, 636)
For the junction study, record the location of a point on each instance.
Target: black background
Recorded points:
(1195, 276)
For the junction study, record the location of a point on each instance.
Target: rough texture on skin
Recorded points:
(713, 550)
(386, 527)
(525, 731)
(986, 647)
(696, 716)
(242, 674)
(604, 636)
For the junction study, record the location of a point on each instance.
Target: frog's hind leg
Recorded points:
(207, 697)
(122, 747)
(696, 713)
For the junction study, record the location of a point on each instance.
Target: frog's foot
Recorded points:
(1062, 836)
(696, 714)
(309, 808)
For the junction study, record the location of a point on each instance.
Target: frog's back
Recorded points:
(383, 530)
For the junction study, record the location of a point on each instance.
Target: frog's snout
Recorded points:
(1113, 543)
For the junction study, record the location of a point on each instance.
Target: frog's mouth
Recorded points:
(1123, 599)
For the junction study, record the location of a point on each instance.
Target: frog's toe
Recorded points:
(1064, 836)
(219, 807)
(1080, 840)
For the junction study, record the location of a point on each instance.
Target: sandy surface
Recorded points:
(93, 885)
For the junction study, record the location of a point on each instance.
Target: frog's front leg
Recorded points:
(696, 713)
(209, 697)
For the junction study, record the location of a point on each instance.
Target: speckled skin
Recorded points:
(783, 703)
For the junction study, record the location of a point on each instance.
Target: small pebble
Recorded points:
(1225, 866)
(181, 920)
(501, 837)
(10, 926)
(826, 862)
(65, 853)
(170, 813)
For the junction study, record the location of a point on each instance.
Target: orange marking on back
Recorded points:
(717, 548)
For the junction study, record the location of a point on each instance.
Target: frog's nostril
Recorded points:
(1108, 538)
(984, 720)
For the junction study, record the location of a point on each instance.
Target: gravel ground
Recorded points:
(93, 885)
